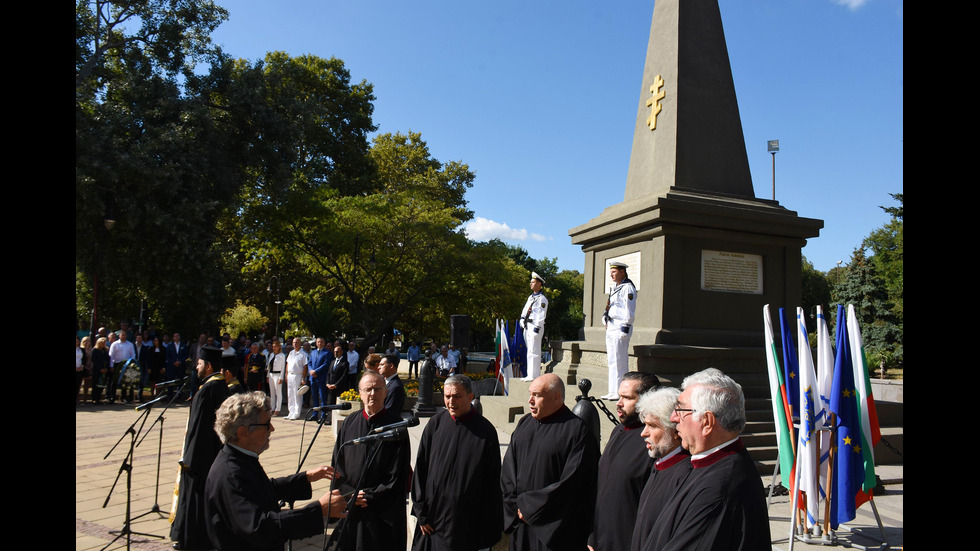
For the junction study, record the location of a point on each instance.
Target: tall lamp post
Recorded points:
(773, 149)
(109, 222)
(278, 301)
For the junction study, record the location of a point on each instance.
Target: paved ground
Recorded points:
(99, 428)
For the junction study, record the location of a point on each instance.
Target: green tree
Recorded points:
(242, 318)
(149, 156)
(390, 254)
(816, 292)
(881, 330)
(563, 288)
(887, 247)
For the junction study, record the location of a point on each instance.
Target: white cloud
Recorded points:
(851, 4)
(483, 229)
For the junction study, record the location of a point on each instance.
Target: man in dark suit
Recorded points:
(177, 354)
(388, 368)
(337, 376)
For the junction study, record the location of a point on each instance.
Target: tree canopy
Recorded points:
(223, 175)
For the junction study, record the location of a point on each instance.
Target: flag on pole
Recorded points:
(518, 351)
(825, 377)
(503, 358)
(777, 391)
(791, 368)
(868, 414)
(807, 447)
(857, 429)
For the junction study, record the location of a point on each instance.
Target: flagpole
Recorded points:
(828, 493)
(794, 514)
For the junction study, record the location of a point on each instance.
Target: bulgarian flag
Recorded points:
(870, 431)
(780, 408)
(857, 422)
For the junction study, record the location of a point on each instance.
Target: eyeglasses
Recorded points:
(679, 411)
(268, 425)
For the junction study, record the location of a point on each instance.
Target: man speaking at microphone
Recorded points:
(381, 524)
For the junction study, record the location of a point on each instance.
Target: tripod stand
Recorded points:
(127, 467)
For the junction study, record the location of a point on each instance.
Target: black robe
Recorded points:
(456, 487)
(665, 477)
(720, 507)
(242, 505)
(623, 470)
(549, 473)
(383, 524)
(201, 446)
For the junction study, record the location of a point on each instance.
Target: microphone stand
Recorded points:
(127, 467)
(160, 419)
(299, 467)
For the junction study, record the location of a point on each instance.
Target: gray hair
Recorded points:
(462, 381)
(240, 410)
(716, 392)
(659, 404)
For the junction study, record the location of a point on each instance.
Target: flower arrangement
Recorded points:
(351, 395)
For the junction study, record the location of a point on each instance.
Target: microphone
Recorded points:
(173, 382)
(159, 398)
(345, 405)
(401, 433)
(410, 422)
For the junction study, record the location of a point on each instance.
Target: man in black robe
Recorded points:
(548, 477)
(381, 524)
(623, 469)
(456, 490)
(672, 465)
(201, 446)
(722, 505)
(241, 502)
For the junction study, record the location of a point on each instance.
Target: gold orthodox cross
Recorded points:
(654, 102)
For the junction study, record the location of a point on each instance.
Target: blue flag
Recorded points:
(848, 466)
(791, 363)
(518, 351)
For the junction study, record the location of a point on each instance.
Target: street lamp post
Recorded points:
(773, 149)
(278, 301)
(109, 222)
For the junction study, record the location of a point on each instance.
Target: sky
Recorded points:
(539, 98)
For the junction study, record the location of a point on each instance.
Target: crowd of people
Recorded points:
(125, 366)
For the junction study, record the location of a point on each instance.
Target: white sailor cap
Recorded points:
(534, 275)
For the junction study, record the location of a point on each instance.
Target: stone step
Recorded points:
(502, 412)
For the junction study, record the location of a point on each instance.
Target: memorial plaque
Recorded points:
(729, 272)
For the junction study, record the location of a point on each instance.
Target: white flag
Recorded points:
(807, 446)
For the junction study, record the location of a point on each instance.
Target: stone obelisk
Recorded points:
(704, 253)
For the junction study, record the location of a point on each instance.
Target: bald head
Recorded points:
(547, 395)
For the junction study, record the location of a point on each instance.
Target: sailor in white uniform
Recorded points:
(532, 321)
(618, 319)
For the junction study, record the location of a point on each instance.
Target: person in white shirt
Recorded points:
(446, 362)
(119, 353)
(618, 319)
(276, 368)
(352, 357)
(532, 322)
(296, 366)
